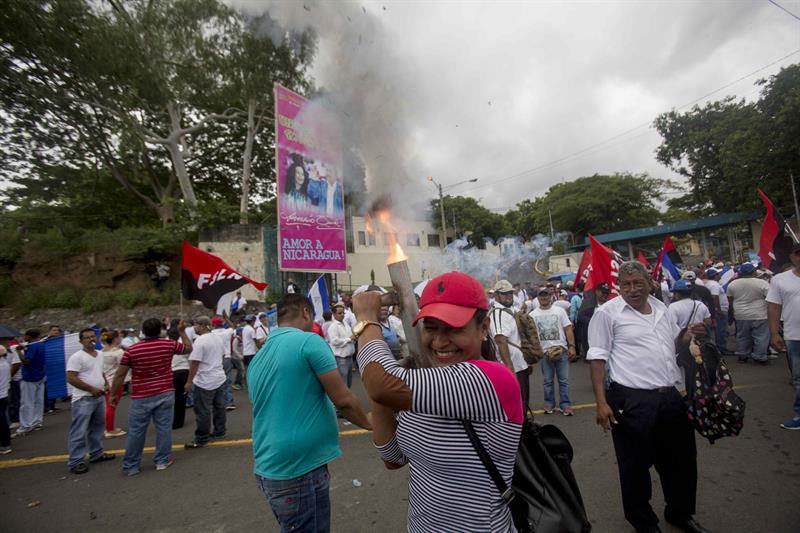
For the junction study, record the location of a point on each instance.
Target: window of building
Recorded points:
(371, 239)
(412, 239)
(433, 240)
(568, 263)
(362, 238)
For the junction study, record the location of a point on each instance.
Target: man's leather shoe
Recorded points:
(689, 526)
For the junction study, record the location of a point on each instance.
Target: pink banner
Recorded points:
(308, 158)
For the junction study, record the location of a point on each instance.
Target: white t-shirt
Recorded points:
(350, 318)
(208, 350)
(397, 326)
(716, 290)
(667, 294)
(180, 361)
(563, 304)
(249, 340)
(111, 359)
(551, 324)
(680, 312)
(785, 290)
(749, 298)
(262, 332)
(90, 371)
(503, 323)
(5, 374)
(13, 359)
(225, 335)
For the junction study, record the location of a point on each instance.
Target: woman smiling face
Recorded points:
(299, 177)
(449, 345)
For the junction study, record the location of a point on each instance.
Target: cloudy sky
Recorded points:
(524, 94)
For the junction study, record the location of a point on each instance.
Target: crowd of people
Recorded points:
(298, 376)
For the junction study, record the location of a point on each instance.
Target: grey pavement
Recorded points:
(748, 484)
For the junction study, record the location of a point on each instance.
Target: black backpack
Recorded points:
(544, 496)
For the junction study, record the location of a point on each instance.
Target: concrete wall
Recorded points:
(242, 247)
(565, 262)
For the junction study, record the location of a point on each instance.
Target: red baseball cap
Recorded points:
(217, 321)
(452, 298)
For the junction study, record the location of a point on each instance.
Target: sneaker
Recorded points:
(21, 432)
(347, 423)
(230, 407)
(567, 411)
(5, 450)
(193, 445)
(236, 387)
(792, 423)
(165, 465)
(37, 427)
(14, 425)
(217, 435)
(118, 432)
(131, 473)
(79, 468)
(548, 409)
(103, 458)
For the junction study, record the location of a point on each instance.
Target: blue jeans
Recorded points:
(721, 334)
(88, 423)
(238, 365)
(793, 349)
(227, 367)
(752, 339)
(559, 368)
(302, 504)
(345, 365)
(160, 409)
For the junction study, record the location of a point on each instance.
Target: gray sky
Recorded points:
(492, 90)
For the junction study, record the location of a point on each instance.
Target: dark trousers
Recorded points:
(179, 378)
(5, 432)
(13, 402)
(207, 402)
(653, 430)
(523, 377)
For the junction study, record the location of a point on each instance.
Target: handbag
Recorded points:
(544, 496)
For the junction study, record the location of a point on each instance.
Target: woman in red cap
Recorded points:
(417, 413)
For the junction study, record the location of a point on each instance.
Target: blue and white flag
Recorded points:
(57, 351)
(671, 272)
(726, 276)
(319, 297)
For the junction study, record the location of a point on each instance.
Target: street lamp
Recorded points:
(443, 239)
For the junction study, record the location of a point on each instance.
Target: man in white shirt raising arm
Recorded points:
(636, 338)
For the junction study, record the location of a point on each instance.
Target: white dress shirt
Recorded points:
(639, 349)
(340, 339)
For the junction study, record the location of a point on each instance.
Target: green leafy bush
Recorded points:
(128, 298)
(94, 301)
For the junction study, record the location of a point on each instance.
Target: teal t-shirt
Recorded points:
(294, 421)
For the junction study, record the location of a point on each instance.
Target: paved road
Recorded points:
(748, 484)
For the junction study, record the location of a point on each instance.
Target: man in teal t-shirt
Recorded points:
(293, 383)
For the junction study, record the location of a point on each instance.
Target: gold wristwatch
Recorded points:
(359, 328)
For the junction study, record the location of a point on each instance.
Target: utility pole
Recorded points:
(443, 241)
(794, 195)
(552, 233)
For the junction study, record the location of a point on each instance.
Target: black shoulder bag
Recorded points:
(544, 496)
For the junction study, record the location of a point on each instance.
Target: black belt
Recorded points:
(661, 390)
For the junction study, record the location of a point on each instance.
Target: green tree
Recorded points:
(593, 204)
(470, 218)
(727, 149)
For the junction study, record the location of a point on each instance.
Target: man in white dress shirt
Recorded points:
(635, 337)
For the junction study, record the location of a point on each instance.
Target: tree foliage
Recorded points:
(154, 94)
(593, 204)
(726, 149)
(470, 217)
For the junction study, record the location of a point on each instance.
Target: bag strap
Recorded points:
(505, 491)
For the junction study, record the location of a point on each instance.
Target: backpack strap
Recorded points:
(505, 491)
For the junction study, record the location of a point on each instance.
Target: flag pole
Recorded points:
(796, 209)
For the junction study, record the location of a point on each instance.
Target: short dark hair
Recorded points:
(32, 333)
(292, 305)
(152, 327)
(84, 330)
(327, 315)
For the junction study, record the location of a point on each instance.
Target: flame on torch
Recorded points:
(384, 219)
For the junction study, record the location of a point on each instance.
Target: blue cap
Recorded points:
(249, 318)
(711, 272)
(747, 268)
(682, 285)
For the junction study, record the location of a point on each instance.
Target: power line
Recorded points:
(776, 4)
(490, 183)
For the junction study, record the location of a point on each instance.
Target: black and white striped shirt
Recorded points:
(449, 488)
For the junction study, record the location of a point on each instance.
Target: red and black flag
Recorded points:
(605, 266)
(207, 278)
(643, 260)
(671, 251)
(775, 245)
